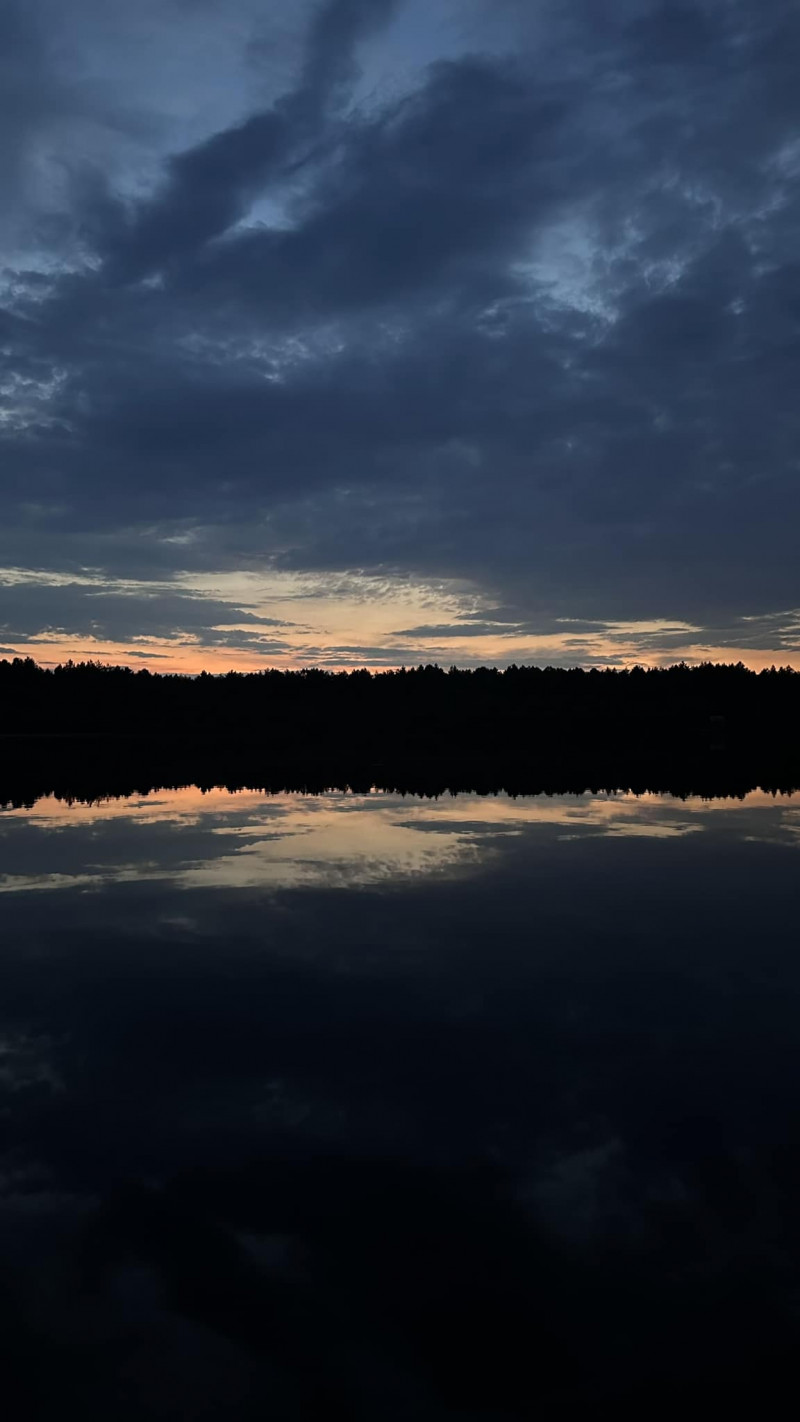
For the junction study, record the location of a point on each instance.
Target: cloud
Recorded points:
(525, 324)
(458, 629)
(210, 186)
(30, 609)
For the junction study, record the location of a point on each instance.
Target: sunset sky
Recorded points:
(371, 332)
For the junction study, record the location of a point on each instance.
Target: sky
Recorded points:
(377, 332)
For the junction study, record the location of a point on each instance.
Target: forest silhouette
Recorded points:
(88, 730)
(421, 706)
(515, 1127)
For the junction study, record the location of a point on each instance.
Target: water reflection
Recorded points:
(219, 839)
(388, 1107)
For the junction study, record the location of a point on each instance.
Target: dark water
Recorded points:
(390, 1108)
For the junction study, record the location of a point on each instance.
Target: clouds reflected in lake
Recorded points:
(248, 840)
(397, 1107)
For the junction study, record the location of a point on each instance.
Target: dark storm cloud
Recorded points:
(433, 190)
(79, 609)
(209, 187)
(529, 320)
(33, 96)
(458, 629)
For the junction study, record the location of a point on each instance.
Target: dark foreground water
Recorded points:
(389, 1108)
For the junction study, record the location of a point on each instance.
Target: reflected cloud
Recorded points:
(25, 1064)
(198, 839)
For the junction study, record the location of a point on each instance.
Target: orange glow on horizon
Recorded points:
(190, 660)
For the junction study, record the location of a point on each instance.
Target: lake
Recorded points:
(391, 1107)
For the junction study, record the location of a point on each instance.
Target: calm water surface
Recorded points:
(399, 1108)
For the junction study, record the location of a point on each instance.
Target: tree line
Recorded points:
(425, 708)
